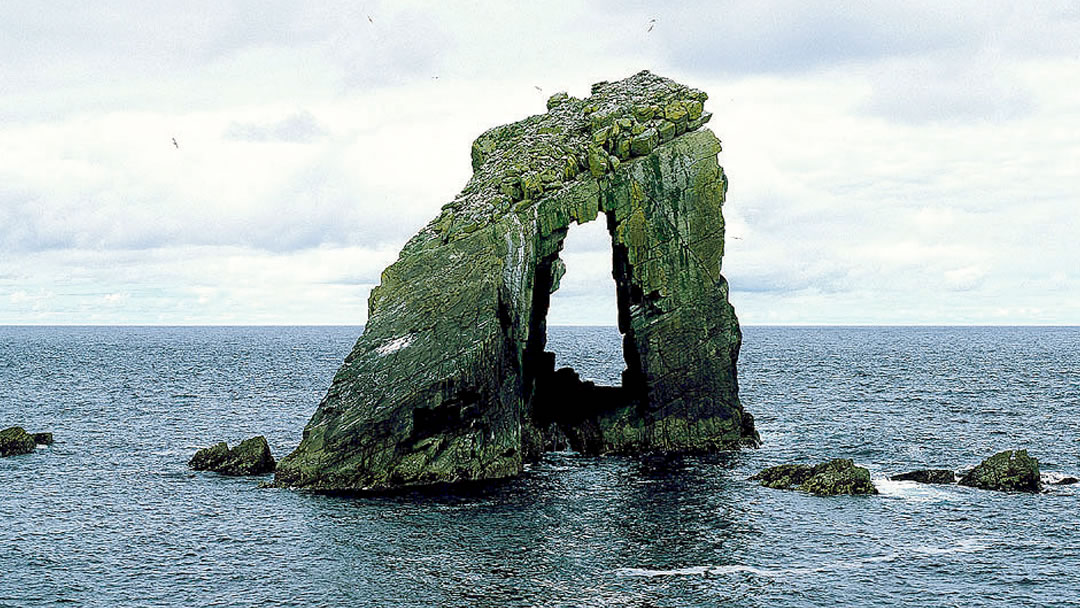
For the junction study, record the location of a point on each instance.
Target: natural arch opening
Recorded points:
(582, 317)
(565, 406)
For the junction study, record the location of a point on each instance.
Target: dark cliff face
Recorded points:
(450, 381)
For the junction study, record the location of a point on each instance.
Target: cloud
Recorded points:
(966, 278)
(299, 127)
(887, 163)
(948, 90)
(785, 37)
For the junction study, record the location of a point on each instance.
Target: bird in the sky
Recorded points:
(370, 20)
(652, 22)
(538, 88)
(175, 144)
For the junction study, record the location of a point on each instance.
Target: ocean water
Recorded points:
(111, 516)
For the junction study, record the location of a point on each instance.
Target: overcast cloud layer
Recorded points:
(912, 163)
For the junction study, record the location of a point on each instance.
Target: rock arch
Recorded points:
(450, 381)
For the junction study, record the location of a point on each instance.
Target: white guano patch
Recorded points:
(394, 345)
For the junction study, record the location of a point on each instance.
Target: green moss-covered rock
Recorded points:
(251, 457)
(450, 381)
(831, 478)
(784, 476)
(1006, 471)
(15, 440)
(839, 476)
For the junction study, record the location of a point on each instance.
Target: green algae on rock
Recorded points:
(832, 478)
(1005, 471)
(450, 381)
(15, 440)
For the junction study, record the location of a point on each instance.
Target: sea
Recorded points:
(110, 514)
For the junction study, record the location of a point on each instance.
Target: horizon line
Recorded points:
(549, 325)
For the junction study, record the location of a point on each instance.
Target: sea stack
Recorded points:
(450, 381)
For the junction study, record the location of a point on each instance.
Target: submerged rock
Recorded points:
(251, 457)
(1005, 471)
(927, 476)
(15, 440)
(1064, 481)
(450, 380)
(831, 478)
(43, 438)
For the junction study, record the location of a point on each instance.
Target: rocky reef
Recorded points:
(450, 380)
(251, 457)
(927, 476)
(832, 478)
(15, 440)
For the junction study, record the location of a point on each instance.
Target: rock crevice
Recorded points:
(450, 380)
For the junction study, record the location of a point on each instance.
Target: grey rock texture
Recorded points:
(450, 381)
(251, 457)
(1011, 471)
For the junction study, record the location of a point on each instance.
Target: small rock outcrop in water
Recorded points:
(1064, 481)
(927, 476)
(251, 457)
(831, 478)
(15, 440)
(450, 380)
(1006, 471)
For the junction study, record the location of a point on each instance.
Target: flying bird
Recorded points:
(652, 22)
(538, 88)
(175, 144)
(370, 20)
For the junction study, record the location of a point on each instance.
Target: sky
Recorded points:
(889, 163)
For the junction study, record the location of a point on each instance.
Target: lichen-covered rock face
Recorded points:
(251, 457)
(450, 382)
(832, 478)
(1006, 471)
(15, 440)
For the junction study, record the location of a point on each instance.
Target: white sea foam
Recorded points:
(968, 545)
(913, 490)
(701, 571)
(1053, 477)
